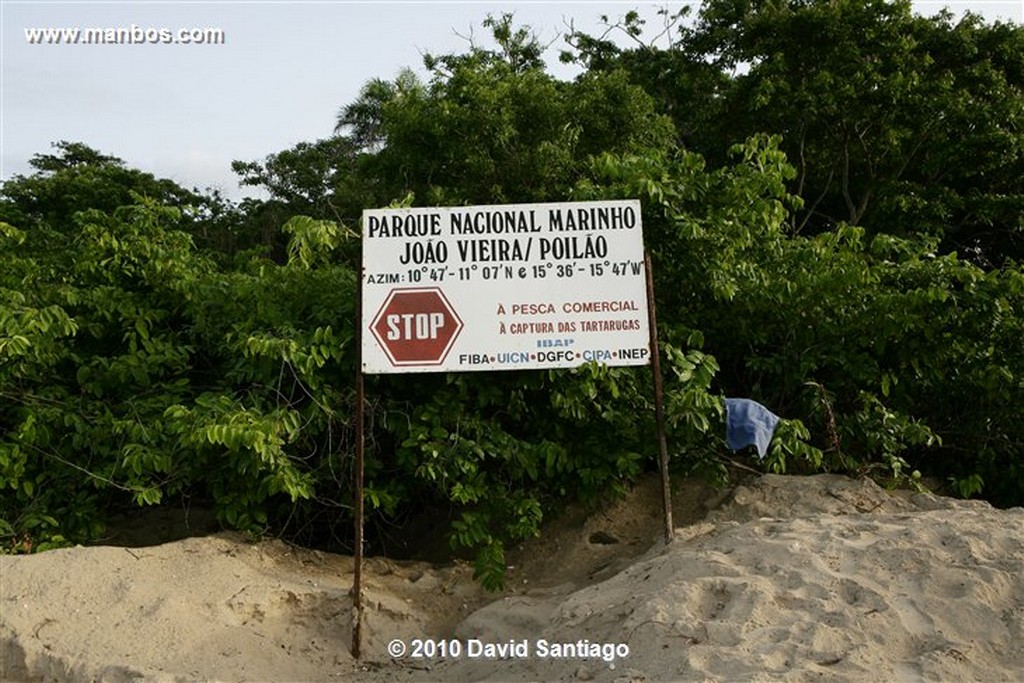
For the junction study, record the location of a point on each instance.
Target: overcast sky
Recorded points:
(285, 68)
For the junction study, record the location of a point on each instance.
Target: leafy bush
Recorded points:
(916, 349)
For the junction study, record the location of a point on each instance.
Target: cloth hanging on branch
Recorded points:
(749, 423)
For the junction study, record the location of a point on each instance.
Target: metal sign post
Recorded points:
(659, 404)
(357, 477)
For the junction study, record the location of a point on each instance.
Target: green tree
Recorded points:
(321, 180)
(76, 177)
(101, 332)
(492, 126)
(899, 123)
(908, 351)
(94, 350)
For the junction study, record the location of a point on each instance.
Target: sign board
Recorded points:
(517, 286)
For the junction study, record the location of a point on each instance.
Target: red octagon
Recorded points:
(416, 326)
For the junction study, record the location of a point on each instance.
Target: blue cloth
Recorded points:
(749, 423)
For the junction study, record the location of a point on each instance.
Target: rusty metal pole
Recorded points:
(659, 403)
(357, 552)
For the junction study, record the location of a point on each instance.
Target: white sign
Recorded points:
(518, 286)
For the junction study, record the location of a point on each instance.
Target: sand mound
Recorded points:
(787, 578)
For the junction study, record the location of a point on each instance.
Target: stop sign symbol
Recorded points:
(416, 326)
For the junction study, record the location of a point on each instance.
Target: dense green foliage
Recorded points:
(159, 345)
(897, 123)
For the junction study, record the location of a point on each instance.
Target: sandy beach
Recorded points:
(818, 578)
